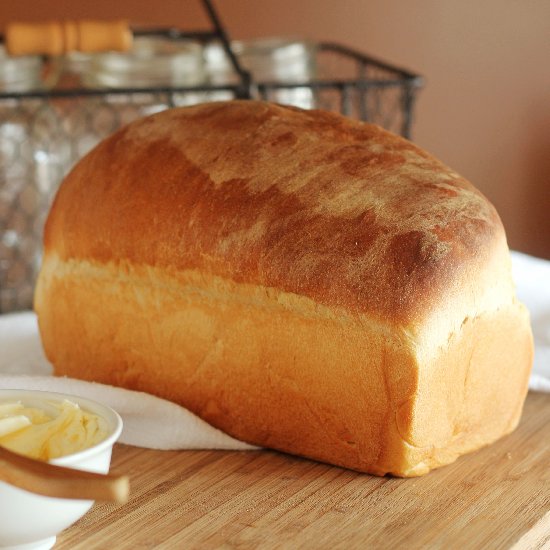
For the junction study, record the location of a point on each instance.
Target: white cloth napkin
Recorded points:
(155, 423)
(532, 277)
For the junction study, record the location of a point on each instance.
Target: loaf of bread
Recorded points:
(302, 281)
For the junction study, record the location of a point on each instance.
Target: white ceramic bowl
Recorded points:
(29, 521)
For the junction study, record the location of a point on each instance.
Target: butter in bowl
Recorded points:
(62, 430)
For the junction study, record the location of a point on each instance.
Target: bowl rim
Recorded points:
(91, 405)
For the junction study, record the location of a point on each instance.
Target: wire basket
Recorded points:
(46, 128)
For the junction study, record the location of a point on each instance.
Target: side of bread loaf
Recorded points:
(301, 281)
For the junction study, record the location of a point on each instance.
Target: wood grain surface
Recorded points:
(496, 498)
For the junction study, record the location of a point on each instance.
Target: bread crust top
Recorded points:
(307, 202)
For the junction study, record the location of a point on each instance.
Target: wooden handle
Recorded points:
(57, 481)
(58, 38)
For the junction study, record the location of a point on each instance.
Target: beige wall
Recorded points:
(485, 109)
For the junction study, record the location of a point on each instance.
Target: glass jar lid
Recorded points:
(19, 74)
(151, 62)
(268, 59)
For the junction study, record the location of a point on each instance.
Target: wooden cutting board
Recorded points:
(496, 498)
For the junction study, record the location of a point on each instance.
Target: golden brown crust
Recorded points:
(307, 202)
(299, 280)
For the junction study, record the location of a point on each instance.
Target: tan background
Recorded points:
(485, 109)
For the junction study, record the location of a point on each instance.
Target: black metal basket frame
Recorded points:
(246, 88)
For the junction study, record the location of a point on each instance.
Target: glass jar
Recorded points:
(270, 60)
(32, 162)
(151, 62)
